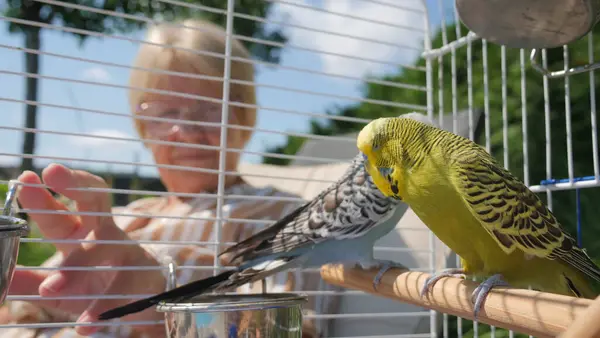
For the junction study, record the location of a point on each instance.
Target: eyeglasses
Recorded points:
(188, 118)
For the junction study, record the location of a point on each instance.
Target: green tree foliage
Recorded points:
(39, 14)
(29, 253)
(564, 202)
(294, 143)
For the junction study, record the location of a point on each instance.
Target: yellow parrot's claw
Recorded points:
(481, 292)
(452, 272)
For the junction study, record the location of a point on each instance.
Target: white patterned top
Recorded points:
(185, 229)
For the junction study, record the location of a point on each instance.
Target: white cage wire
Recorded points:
(393, 57)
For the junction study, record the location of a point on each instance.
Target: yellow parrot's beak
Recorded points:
(385, 172)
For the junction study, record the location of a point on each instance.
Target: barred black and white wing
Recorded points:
(347, 209)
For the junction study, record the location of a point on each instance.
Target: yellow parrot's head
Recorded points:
(381, 143)
(369, 144)
(371, 137)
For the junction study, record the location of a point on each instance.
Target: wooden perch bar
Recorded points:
(587, 324)
(531, 312)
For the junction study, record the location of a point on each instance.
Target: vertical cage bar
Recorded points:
(505, 144)
(459, 326)
(454, 86)
(471, 124)
(486, 96)
(578, 214)
(471, 127)
(547, 124)
(441, 123)
(524, 121)
(441, 91)
(432, 313)
(430, 89)
(441, 64)
(593, 106)
(443, 19)
(504, 106)
(454, 90)
(470, 89)
(430, 107)
(454, 129)
(223, 140)
(428, 63)
(568, 114)
(488, 143)
(524, 117)
(457, 21)
(440, 95)
(569, 132)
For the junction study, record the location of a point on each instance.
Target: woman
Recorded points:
(172, 214)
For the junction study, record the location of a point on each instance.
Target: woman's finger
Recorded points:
(26, 282)
(131, 283)
(103, 282)
(52, 226)
(85, 282)
(73, 282)
(62, 180)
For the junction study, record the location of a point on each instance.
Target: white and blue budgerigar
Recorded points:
(340, 225)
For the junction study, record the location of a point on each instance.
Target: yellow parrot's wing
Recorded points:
(513, 214)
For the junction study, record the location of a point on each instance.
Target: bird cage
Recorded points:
(76, 76)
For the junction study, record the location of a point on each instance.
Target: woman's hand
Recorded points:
(89, 227)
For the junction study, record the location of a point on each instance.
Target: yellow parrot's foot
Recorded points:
(481, 292)
(453, 272)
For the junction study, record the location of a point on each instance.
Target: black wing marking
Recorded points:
(513, 215)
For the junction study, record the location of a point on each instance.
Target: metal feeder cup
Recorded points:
(263, 315)
(11, 231)
(529, 23)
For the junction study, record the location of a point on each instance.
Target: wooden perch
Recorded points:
(531, 312)
(587, 324)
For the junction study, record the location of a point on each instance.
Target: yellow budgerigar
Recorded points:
(498, 227)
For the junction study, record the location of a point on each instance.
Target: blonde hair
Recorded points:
(202, 36)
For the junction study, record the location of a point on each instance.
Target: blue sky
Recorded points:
(113, 99)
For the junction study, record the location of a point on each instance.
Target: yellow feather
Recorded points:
(481, 211)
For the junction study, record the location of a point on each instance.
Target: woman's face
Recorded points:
(157, 105)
